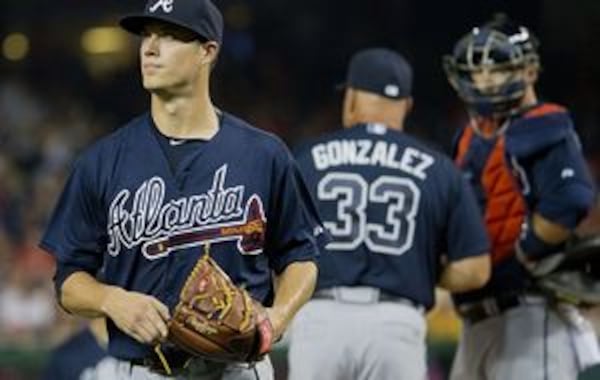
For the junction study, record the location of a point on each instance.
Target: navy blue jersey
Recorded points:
(125, 210)
(542, 154)
(393, 207)
(76, 355)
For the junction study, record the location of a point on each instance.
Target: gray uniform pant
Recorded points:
(531, 341)
(337, 340)
(262, 370)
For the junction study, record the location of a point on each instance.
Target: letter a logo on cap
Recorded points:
(166, 5)
(391, 90)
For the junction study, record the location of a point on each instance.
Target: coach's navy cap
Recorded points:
(199, 16)
(380, 71)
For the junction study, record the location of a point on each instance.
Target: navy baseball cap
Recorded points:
(380, 71)
(199, 16)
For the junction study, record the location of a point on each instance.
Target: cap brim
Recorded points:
(135, 23)
(344, 86)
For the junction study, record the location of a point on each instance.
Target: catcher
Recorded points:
(142, 203)
(524, 161)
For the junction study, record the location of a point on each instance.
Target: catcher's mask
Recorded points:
(501, 50)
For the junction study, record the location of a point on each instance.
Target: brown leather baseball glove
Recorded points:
(218, 320)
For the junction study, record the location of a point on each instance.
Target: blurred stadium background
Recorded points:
(67, 76)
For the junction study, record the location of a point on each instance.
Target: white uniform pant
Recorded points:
(333, 340)
(532, 342)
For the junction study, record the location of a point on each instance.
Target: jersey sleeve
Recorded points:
(465, 234)
(295, 231)
(75, 234)
(562, 184)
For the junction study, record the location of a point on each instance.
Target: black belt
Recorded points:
(379, 296)
(176, 359)
(494, 306)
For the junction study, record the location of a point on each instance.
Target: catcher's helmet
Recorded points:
(496, 46)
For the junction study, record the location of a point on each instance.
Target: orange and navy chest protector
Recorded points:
(535, 165)
(504, 206)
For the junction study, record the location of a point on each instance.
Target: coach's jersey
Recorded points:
(128, 210)
(393, 207)
(536, 165)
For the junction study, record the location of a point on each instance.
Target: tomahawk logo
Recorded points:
(166, 5)
(249, 234)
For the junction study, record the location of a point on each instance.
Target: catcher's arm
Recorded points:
(293, 288)
(548, 231)
(542, 238)
(139, 315)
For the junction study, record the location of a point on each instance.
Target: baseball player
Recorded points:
(83, 356)
(524, 162)
(402, 220)
(142, 203)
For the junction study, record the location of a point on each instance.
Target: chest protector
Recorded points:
(505, 208)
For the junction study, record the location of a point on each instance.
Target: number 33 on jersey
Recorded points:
(376, 209)
(383, 197)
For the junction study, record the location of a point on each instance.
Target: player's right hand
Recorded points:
(140, 316)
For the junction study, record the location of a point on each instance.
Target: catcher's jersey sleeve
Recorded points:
(546, 151)
(562, 184)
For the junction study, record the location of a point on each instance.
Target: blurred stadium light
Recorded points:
(106, 49)
(15, 46)
(104, 40)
